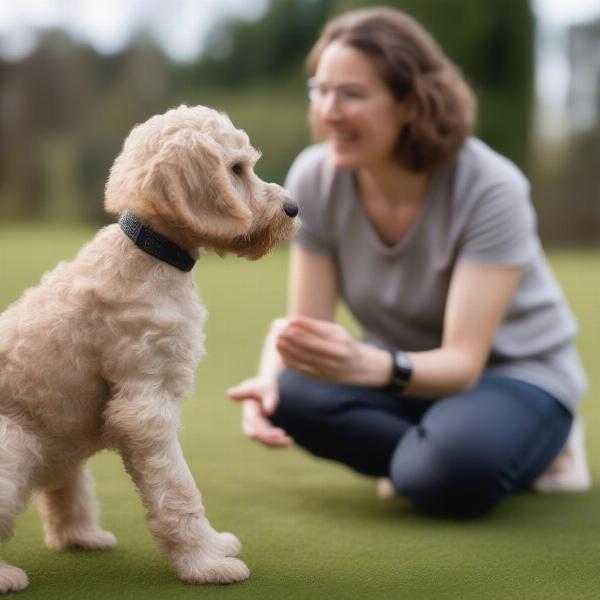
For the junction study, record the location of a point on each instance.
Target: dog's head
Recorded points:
(190, 173)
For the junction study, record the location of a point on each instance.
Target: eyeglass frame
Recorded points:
(343, 94)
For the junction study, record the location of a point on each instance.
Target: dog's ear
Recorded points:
(187, 185)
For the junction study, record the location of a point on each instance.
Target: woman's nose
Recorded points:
(329, 105)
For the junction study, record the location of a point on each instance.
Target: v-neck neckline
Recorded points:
(406, 240)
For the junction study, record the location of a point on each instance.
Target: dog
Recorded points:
(100, 353)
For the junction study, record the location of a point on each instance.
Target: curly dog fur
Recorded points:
(99, 354)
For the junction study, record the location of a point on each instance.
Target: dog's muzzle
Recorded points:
(290, 208)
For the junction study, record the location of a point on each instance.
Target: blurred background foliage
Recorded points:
(65, 109)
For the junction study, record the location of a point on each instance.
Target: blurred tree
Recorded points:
(239, 52)
(40, 99)
(567, 194)
(128, 88)
(566, 171)
(65, 109)
(492, 42)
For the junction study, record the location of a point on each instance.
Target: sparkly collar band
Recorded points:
(155, 244)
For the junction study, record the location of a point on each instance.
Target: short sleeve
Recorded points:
(501, 226)
(306, 182)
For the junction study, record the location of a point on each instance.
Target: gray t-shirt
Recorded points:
(477, 208)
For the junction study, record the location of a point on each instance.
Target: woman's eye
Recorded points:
(238, 169)
(350, 94)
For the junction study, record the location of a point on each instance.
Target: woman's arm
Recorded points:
(312, 287)
(477, 300)
(478, 297)
(312, 293)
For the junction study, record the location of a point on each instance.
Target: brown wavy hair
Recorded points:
(416, 71)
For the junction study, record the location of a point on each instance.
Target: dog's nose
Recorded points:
(290, 208)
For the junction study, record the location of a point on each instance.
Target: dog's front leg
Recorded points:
(145, 432)
(70, 512)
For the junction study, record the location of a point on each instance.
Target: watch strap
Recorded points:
(401, 371)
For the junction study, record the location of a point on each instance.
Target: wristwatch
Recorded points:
(401, 371)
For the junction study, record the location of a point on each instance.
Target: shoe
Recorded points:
(385, 489)
(569, 472)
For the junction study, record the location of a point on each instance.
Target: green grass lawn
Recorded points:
(310, 529)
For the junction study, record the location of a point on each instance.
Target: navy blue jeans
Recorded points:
(457, 456)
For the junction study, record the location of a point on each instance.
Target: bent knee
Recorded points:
(290, 392)
(300, 398)
(446, 481)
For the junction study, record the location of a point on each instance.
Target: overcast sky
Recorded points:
(180, 26)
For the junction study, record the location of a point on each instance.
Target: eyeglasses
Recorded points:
(345, 94)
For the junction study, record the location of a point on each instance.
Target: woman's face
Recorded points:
(353, 110)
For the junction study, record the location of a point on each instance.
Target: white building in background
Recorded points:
(584, 87)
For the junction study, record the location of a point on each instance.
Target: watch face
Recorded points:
(401, 372)
(402, 367)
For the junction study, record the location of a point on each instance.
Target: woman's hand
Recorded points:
(325, 350)
(259, 400)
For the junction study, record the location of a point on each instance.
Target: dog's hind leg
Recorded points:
(18, 458)
(70, 513)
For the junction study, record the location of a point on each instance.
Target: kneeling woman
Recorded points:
(466, 381)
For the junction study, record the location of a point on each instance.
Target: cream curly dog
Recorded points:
(99, 354)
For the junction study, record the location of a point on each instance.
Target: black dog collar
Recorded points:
(154, 243)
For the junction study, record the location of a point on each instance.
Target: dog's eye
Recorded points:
(238, 169)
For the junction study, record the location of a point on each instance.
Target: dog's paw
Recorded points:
(212, 570)
(227, 544)
(12, 579)
(89, 539)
